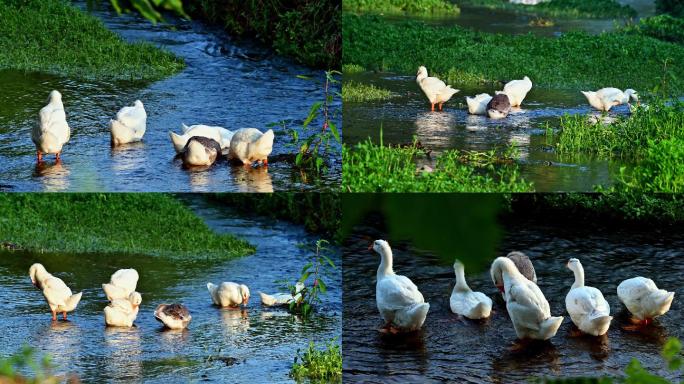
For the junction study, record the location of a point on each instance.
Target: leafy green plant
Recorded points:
(150, 9)
(358, 92)
(318, 365)
(26, 358)
(661, 27)
(313, 271)
(597, 9)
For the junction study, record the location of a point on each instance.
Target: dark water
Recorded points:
(220, 345)
(226, 83)
(408, 115)
(463, 351)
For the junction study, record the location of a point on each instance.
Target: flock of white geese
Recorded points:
(404, 309)
(512, 96)
(198, 145)
(124, 301)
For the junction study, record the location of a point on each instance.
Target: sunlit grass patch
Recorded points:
(318, 365)
(352, 68)
(413, 7)
(358, 92)
(575, 9)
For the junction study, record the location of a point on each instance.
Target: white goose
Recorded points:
(123, 312)
(478, 105)
(643, 299)
(58, 296)
(606, 98)
(465, 302)
(522, 263)
(282, 298)
(219, 134)
(122, 283)
(527, 307)
(516, 90)
(173, 316)
(587, 308)
(435, 89)
(201, 151)
(129, 125)
(400, 303)
(249, 145)
(52, 130)
(228, 294)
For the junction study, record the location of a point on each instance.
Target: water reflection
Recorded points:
(433, 129)
(250, 179)
(53, 176)
(235, 320)
(125, 353)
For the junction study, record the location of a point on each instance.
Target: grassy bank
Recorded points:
(149, 224)
(580, 9)
(661, 27)
(318, 365)
(307, 30)
(459, 55)
(54, 37)
(412, 7)
(358, 92)
(367, 167)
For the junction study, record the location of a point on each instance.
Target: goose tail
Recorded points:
(549, 327)
(663, 301)
(73, 301)
(267, 300)
(178, 141)
(482, 310)
(413, 317)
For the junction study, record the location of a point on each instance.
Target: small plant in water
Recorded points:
(318, 365)
(26, 358)
(313, 271)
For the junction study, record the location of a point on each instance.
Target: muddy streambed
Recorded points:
(458, 350)
(255, 345)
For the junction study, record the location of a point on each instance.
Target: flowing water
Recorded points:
(408, 115)
(220, 345)
(464, 351)
(227, 83)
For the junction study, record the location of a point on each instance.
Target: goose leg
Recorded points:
(433, 107)
(54, 316)
(266, 162)
(40, 156)
(57, 157)
(64, 315)
(440, 106)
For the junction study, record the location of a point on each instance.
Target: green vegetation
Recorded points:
(368, 167)
(150, 9)
(572, 9)
(307, 30)
(26, 358)
(671, 7)
(148, 224)
(660, 170)
(318, 365)
(52, 36)
(358, 92)
(662, 27)
(460, 55)
(352, 68)
(412, 7)
(315, 270)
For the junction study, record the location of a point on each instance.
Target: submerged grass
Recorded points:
(460, 55)
(579, 9)
(358, 92)
(149, 224)
(368, 167)
(54, 37)
(318, 365)
(413, 7)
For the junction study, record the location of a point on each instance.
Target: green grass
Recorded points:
(662, 27)
(359, 92)
(352, 68)
(53, 37)
(618, 59)
(572, 9)
(146, 224)
(318, 365)
(661, 170)
(367, 167)
(413, 7)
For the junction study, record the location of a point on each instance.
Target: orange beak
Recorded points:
(501, 288)
(370, 246)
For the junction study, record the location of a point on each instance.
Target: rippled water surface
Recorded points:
(459, 350)
(226, 83)
(221, 345)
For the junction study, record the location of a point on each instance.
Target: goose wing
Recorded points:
(397, 292)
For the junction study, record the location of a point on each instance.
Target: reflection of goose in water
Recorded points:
(252, 179)
(53, 177)
(434, 130)
(129, 157)
(199, 178)
(125, 353)
(538, 356)
(235, 320)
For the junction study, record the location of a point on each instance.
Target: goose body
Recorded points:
(123, 312)
(249, 145)
(218, 134)
(478, 105)
(498, 106)
(200, 151)
(465, 302)
(58, 296)
(228, 294)
(643, 299)
(129, 125)
(281, 298)
(434, 89)
(173, 316)
(516, 90)
(606, 98)
(589, 311)
(400, 303)
(122, 283)
(526, 305)
(52, 130)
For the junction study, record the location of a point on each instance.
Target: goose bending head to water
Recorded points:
(465, 302)
(643, 299)
(58, 296)
(400, 303)
(589, 311)
(229, 294)
(521, 262)
(498, 107)
(173, 316)
(606, 98)
(516, 90)
(526, 305)
(434, 89)
(249, 145)
(122, 283)
(52, 130)
(478, 105)
(282, 298)
(129, 125)
(219, 134)
(200, 151)
(123, 312)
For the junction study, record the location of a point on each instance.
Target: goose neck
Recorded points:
(386, 261)
(579, 276)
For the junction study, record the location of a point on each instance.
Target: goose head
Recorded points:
(135, 299)
(380, 246)
(35, 272)
(422, 73)
(138, 104)
(54, 96)
(573, 264)
(244, 293)
(632, 95)
(499, 266)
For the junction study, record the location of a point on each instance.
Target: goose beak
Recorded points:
(501, 288)
(370, 246)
